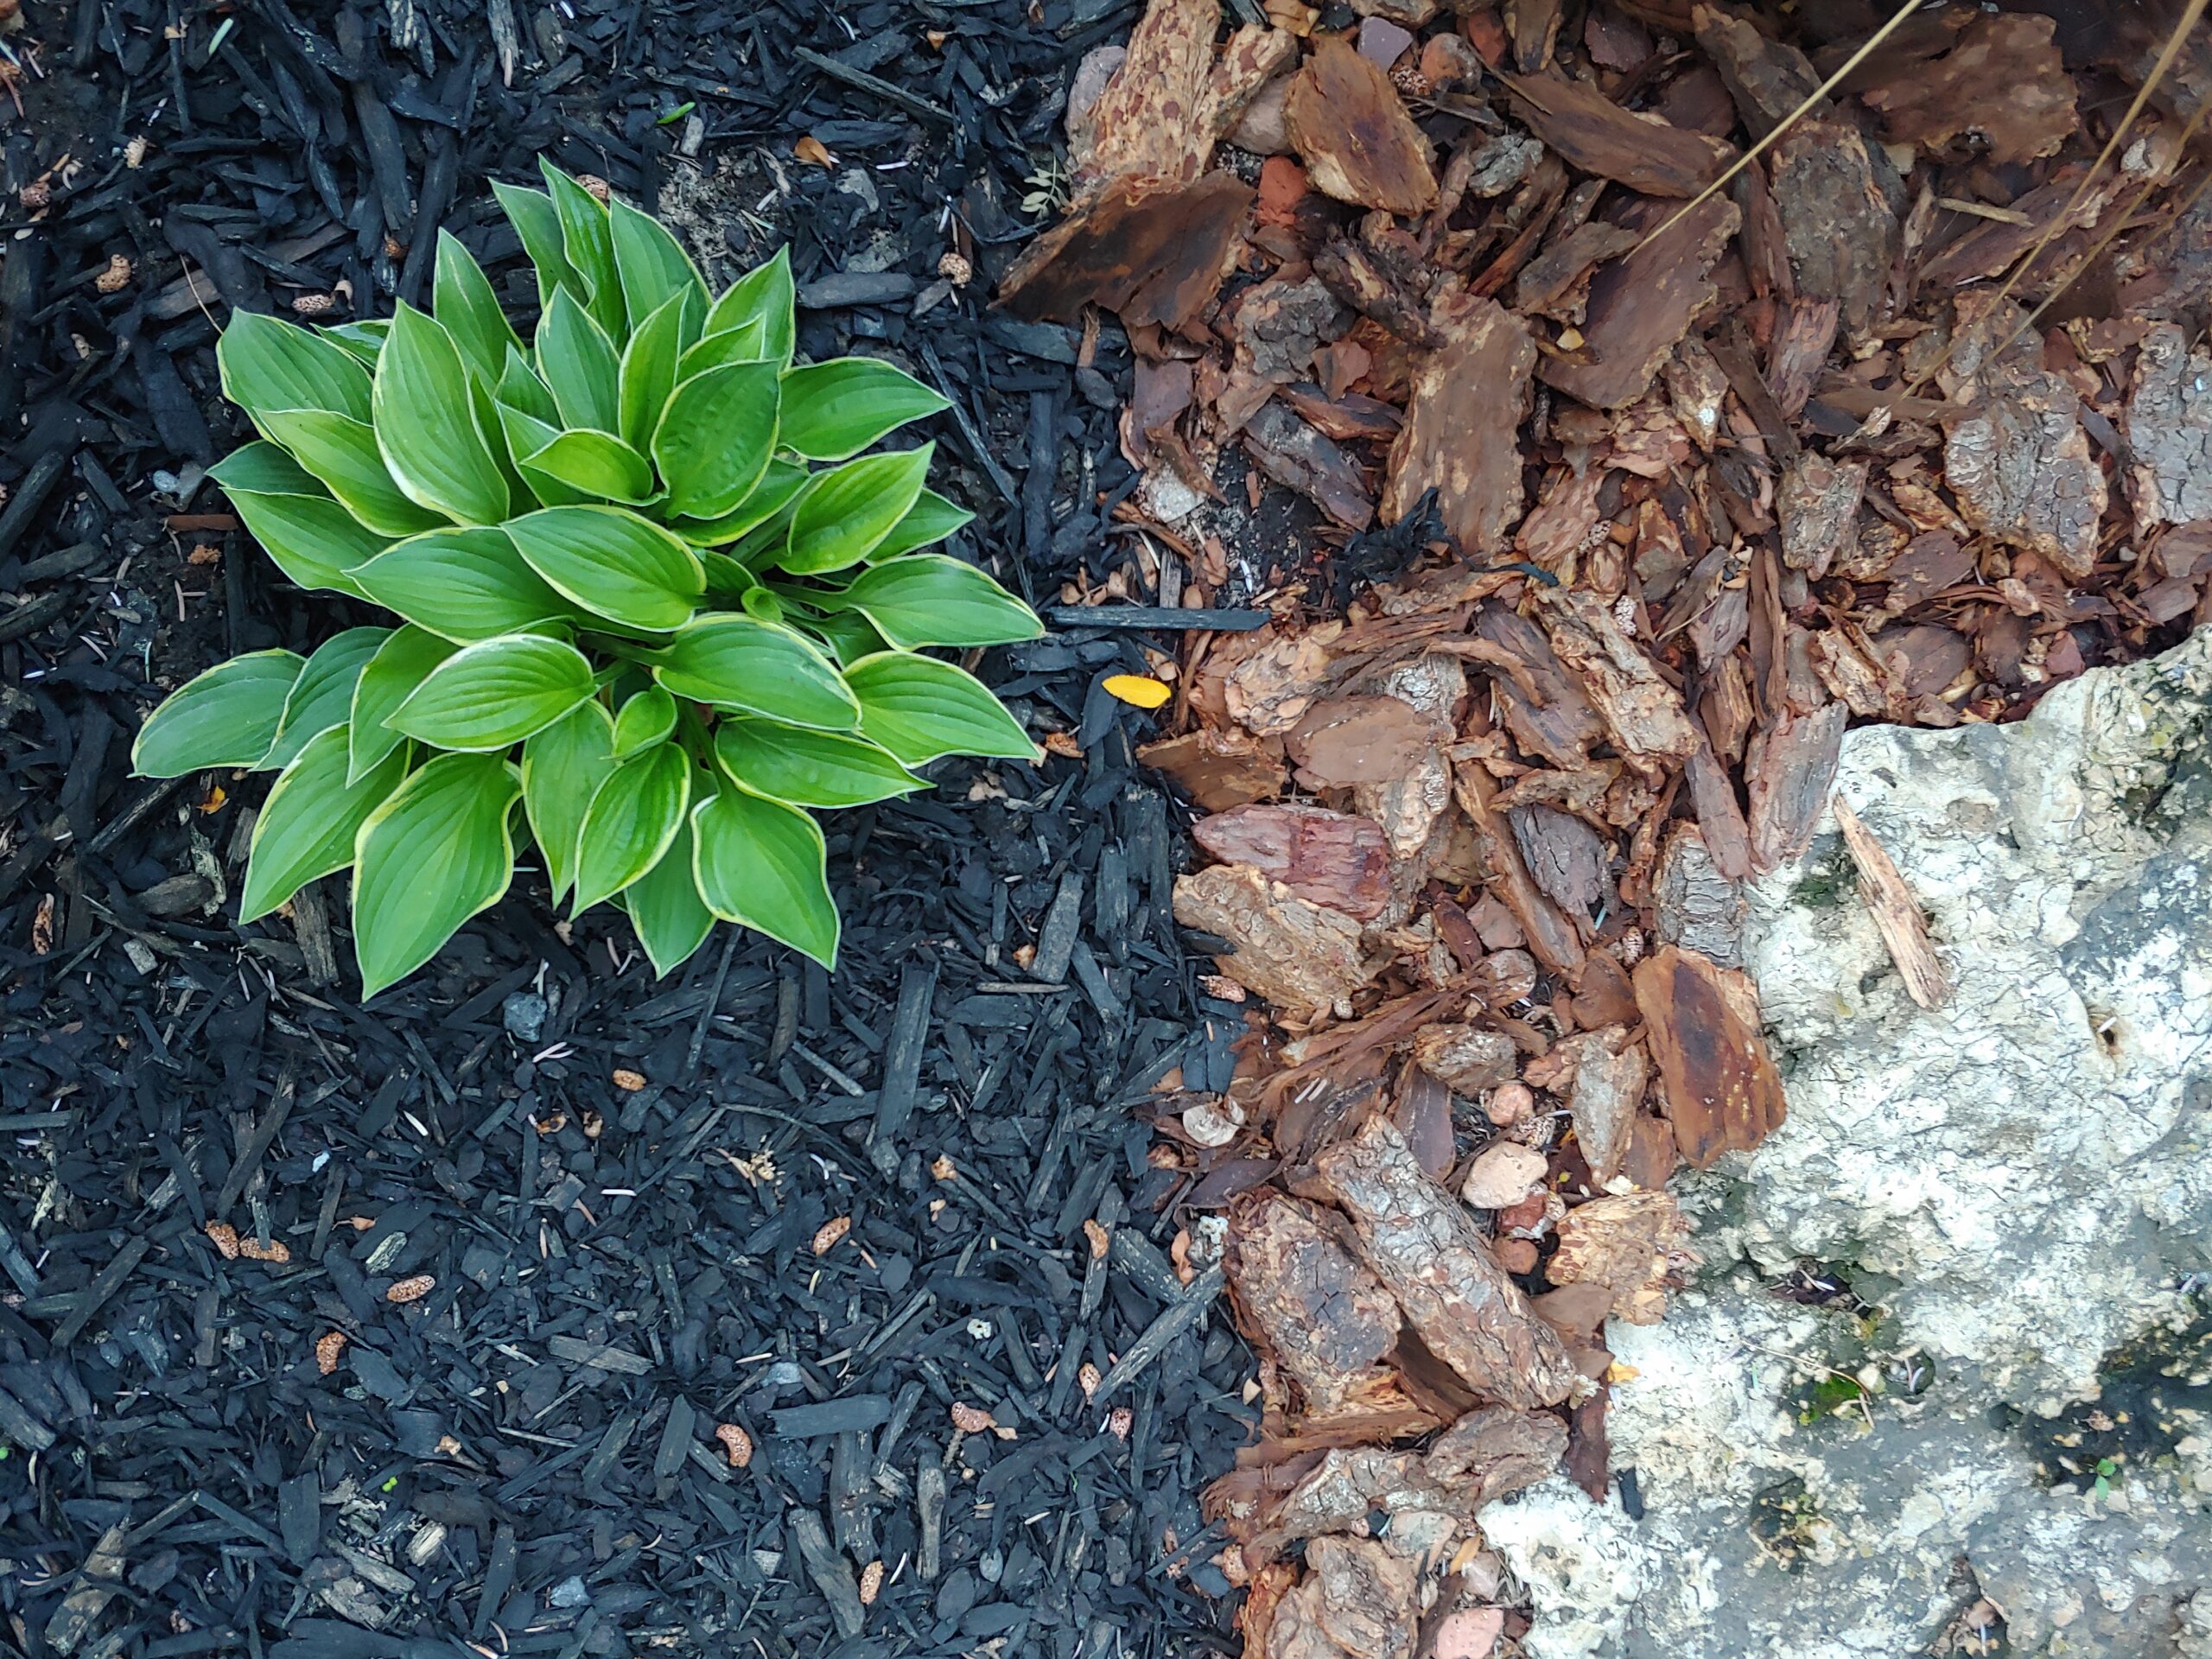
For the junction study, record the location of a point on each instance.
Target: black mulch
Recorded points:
(525, 1458)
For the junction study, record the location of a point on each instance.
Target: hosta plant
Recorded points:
(657, 602)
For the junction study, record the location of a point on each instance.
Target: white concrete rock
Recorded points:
(2021, 1180)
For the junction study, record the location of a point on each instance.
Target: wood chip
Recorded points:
(1151, 251)
(1362, 740)
(1790, 769)
(1641, 305)
(327, 1348)
(1468, 399)
(1633, 1245)
(1332, 859)
(1350, 127)
(413, 1289)
(1298, 955)
(2020, 464)
(1423, 1244)
(736, 1443)
(1467, 1060)
(1643, 712)
(1897, 914)
(1770, 80)
(1174, 96)
(1609, 1073)
(1647, 153)
(2169, 428)
(2004, 83)
(1217, 769)
(629, 1083)
(827, 1236)
(1320, 1313)
(1838, 226)
(972, 1419)
(1818, 505)
(1716, 1080)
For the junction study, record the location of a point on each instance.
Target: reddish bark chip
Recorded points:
(1716, 1079)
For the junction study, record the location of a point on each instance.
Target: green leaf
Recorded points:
(833, 410)
(532, 213)
(764, 864)
(526, 436)
(594, 464)
(519, 388)
(919, 708)
(744, 345)
(562, 767)
(310, 538)
(848, 635)
(845, 512)
(647, 718)
(789, 763)
(715, 436)
(590, 248)
(932, 519)
(929, 599)
(462, 301)
(307, 826)
(466, 585)
(364, 339)
(521, 498)
(779, 485)
(227, 716)
(387, 680)
(648, 372)
(613, 563)
(344, 455)
(433, 855)
(323, 694)
(653, 267)
(671, 919)
(270, 365)
(734, 662)
(577, 359)
(495, 693)
(426, 425)
(765, 294)
(632, 819)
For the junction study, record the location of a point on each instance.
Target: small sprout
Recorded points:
(677, 114)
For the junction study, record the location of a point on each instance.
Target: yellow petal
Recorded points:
(1140, 690)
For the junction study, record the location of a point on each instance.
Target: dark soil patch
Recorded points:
(624, 1195)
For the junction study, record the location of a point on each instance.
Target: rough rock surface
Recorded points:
(2020, 1181)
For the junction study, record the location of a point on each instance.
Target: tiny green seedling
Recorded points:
(658, 601)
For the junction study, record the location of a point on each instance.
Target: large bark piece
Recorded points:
(1153, 250)
(1460, 437)
(1650, 155)
(2020, 464)
(1642, 305)
(1790, 769)
(1301, 956)
(2169, 428)
(2005, 82)
(1174, 97)
(1716, 1079)
(1550, 935)
(1543, 704)
(1610, 1073)
(1357, 1598)
(1424, 1245)
(1325, 858)
(1633, 1245)
(1643, 713)
(1837, 225)
(1350, 129)
(1769, 80)
(1219, 770)
(1324, 1316)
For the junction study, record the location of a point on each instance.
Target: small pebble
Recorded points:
(1516, 1254)
(570, 1593)
(1510, 1103)
(1502, 1175)
(524, 1014)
